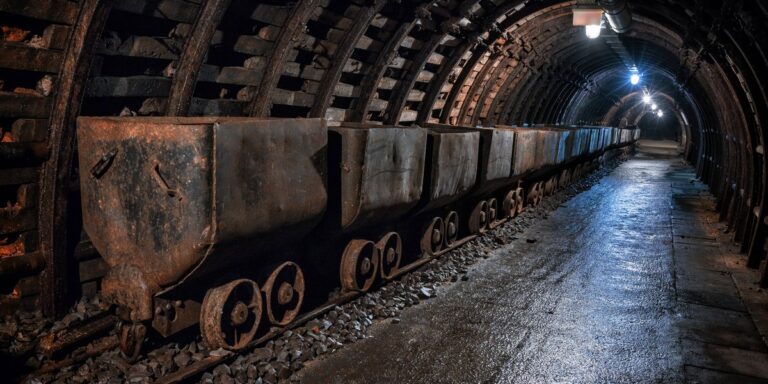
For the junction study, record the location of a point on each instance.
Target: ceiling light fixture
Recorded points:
(634, 77)
(589, 16)
(593, 30)
(653, 107)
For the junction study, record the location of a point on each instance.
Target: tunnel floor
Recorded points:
(630, 281)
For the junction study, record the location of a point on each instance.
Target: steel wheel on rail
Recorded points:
(231, 314)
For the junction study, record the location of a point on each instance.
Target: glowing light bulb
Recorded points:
(647, 99)
(634, 79)
(592, 30)
(660, 113)
(653, 107)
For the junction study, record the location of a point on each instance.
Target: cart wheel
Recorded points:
(509, 205)
(359, 265)
(551, 185)
(230, 315)
(284, 293)
(432, 237)
(478, 219)
(493, 210)
(539, 193)
(520, 203)
(131, 340)
(451, 228)
(531, 195)
(390, 249)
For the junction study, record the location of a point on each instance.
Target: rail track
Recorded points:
(96, 335)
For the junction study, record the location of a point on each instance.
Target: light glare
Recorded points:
(593, 30)
(660, 113)
(634, 79)
(647, 99)
(653, 107)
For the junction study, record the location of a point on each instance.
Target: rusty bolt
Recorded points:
(451, 229)
(239, 313)
(436, 236)
(365, 266)
(285, 293)
(390, 255)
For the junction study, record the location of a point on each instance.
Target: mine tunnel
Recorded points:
(383, 191)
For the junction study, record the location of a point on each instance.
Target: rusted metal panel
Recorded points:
(601, 140)
(546, 147)
(524, 158)
(169, 195)
(582, 144)
(495, 156)
(270, 175)
(626, 136)
(381, 171)
(605, 137)
(452, 165)
(147, 192)
(526, 142)
(563, 141)
(587, 134)
(579, 138)
(500, 145)
(594, 140)
(568, 143)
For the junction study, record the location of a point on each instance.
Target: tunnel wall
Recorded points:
(395, 62)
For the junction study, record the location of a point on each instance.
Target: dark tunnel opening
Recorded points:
(654, 127)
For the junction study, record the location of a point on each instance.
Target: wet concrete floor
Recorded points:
(627, 282)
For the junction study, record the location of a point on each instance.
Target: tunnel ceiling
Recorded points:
(403, 62)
